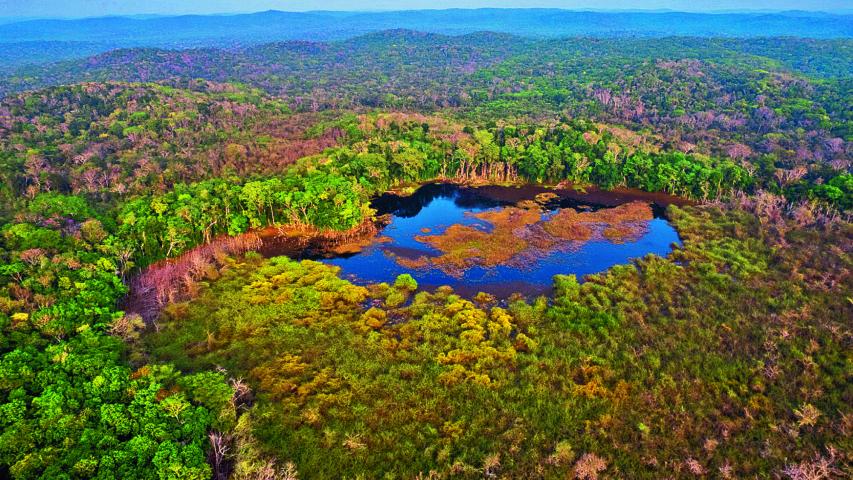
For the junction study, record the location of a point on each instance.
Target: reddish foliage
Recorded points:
(172, 280)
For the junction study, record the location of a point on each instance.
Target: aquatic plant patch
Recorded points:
(515, 235)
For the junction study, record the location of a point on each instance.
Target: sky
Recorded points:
(84, 8)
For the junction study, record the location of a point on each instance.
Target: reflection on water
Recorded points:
(404, 246)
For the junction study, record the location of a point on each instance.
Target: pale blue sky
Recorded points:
(78, 8)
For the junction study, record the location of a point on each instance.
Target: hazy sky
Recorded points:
(78, 8)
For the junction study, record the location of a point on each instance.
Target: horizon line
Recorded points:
(146, 16)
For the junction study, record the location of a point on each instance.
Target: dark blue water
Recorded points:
(436, 207)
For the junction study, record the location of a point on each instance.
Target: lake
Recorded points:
(503, 240)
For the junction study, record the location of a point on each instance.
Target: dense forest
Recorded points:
(142, 336)
(786, 98)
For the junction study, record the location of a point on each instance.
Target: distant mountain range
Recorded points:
(44, 41)
(276, 25)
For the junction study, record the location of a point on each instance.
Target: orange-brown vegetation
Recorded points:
(521, 233)
(621, 223)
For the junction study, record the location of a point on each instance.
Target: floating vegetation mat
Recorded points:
(515, 235)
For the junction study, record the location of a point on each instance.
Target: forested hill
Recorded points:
(733, 97)
(391, 61)
(403, 62)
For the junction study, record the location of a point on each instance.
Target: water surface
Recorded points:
(435, 207)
